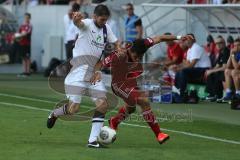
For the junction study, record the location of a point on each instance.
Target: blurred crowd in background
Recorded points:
(216, 64)
(64, 2)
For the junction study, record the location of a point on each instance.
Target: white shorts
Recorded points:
(77, 85)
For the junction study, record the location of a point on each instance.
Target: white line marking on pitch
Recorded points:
(127, 124)
(52, 102)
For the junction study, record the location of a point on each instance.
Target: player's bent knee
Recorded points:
(227, 72)
(235, 73)
(73, 108)
(143, 101)
(102, 105)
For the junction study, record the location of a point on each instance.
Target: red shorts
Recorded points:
(129, 92)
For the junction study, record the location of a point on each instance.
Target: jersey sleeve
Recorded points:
(148, 42)
(87, 23)
(110, 35)
(107, 61)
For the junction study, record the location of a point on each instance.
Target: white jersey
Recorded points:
(91, 40)
(86, 53)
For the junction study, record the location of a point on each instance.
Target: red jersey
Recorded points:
(211, 49)
(230, 46)
(175, 51)
(25, 28)
(122, 68)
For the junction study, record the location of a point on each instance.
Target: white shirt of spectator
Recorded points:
(71, 32)
(33, 3)
(217, 1)
(197, 52)
(66, 21)
(70, 29)
(90, 39)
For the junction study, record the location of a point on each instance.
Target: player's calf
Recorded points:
(72, 109)
(62, 108)
(150, 118)
(55, 114)
(97, 121)
(122, 114)
(102, 105)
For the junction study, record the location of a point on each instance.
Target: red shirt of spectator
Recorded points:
(211, 48)
(230, 46)
(197, 2)
(174, 50)
(25, 28)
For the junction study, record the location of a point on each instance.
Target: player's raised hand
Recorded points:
(124, 46)
(96, 77)
(187, 37)
(77, 18)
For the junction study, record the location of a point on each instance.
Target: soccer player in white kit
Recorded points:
(92, 38)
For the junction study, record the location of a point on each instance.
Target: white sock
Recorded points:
(228, 90)
(59, 111)
(238, 92)
(97, 124)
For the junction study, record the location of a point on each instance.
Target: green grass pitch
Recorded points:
(203, 131)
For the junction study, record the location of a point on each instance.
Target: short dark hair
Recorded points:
(220, 36)
(101, 10)
(28, 14)
(75, 7)
(210, 38)
(167, 33)
(139, 47)
(230, 39)
(191, 34)
(129, 4)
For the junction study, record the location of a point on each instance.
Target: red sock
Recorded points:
(121, 115)
(151, 120)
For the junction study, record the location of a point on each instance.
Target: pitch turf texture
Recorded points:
(208, 131)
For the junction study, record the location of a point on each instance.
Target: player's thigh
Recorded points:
(97, 91)
(75, 87)
(130, 95)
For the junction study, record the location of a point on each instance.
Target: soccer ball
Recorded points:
(107, 135)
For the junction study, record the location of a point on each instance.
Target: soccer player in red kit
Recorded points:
(24, 36)
(126, 67)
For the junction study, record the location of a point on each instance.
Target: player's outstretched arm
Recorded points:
(106, 62)
(164, 38)
(77, 19)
